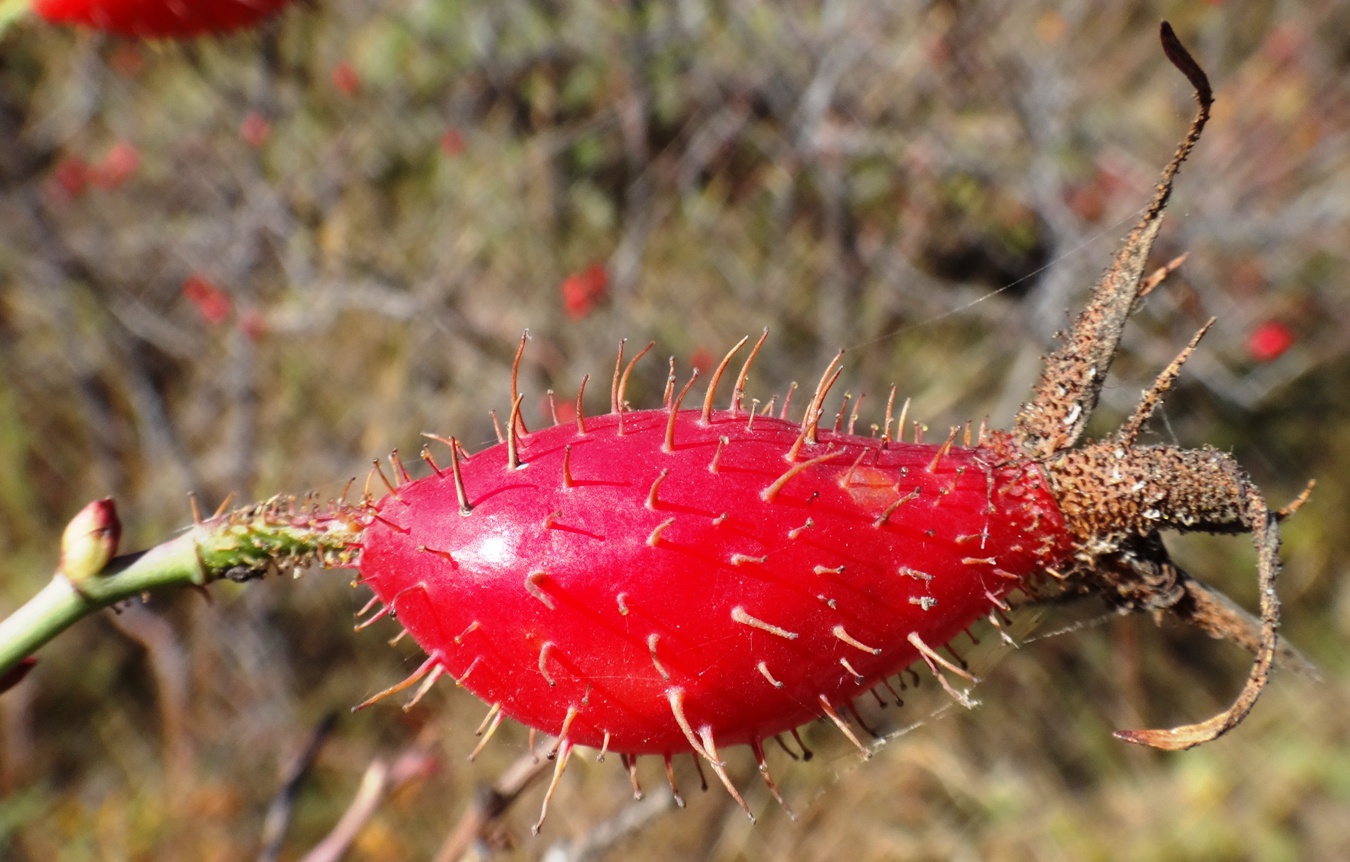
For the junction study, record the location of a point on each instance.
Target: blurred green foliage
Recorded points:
(252, 264)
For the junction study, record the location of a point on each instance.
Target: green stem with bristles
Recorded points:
(241, 545)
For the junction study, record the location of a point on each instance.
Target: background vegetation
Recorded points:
(252, 264)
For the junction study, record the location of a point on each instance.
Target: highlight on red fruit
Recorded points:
(583, 291)
(212, 303)
(1269, 341)
(159, 19)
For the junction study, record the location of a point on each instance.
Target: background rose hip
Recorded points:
(1269, 341)
(160, 19)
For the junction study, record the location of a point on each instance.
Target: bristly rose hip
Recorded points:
(666, 581)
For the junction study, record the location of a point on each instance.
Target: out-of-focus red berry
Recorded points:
(15, 675)
(702, 360)
(452, 143)
(582, 291)
(565, 410)
(1269, 341)
(70, 178)
(345, 79)
(159, 19)
(252, 324)
(117, 166)
(212, 303)
(127, 59)
(255, 129)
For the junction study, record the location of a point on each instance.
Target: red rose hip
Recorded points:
(665, 581)
(160, 19)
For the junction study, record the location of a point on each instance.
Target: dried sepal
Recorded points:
(1117, 496)
(1073, 375)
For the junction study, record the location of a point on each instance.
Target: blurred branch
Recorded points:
(169, 663)
(374, 784)
(278, 816)
(603, 836)
(380, 779)
(149, 410)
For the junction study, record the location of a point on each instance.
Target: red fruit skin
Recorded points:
(546, 597)
(159, 19)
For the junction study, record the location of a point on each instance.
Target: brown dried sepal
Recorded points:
(1109, 492)
(1072, 377)
(1117, 496)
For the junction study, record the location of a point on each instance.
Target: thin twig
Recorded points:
(604, 835)
(283, 804)
(380, 779)
(494, 801)
(374, 783)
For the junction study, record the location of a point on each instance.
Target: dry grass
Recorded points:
(846, 174)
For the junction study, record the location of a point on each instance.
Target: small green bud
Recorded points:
(90, 540)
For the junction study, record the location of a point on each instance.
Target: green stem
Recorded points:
(244, 544)
(10, 12)
(59, 605)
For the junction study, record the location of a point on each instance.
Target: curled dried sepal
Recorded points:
(1266, 537)
(90, 541)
